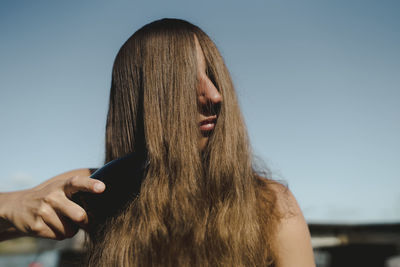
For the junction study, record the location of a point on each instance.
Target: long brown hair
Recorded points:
(196, 208)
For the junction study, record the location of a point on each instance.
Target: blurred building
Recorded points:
(366, 245)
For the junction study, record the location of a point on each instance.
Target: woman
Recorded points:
(201, 202)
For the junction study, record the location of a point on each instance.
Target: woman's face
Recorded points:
(208, 97)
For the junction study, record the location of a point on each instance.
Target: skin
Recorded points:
(47, 211)
(292, 237)
(207, 93)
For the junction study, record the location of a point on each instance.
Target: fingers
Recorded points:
(80, 183)
(72, 211)
(62, 216)
(47, 211)
(69, 214)
(53, 225)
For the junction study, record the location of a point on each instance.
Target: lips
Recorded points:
(208, 124)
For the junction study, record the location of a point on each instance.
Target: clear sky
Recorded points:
(318, 83)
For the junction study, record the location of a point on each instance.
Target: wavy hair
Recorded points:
(196, 208)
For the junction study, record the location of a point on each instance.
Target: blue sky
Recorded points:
(318, 83)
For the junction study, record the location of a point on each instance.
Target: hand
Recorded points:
(46, 210)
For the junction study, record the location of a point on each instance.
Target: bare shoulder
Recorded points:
(292, 239)
(286, 202)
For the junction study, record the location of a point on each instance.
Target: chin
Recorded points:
(203, 142)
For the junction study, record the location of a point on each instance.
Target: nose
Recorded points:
(207, 92)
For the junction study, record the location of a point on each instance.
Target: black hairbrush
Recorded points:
(123, 178)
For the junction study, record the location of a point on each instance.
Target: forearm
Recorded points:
(7, 230)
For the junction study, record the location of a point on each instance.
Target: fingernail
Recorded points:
(99, 187)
